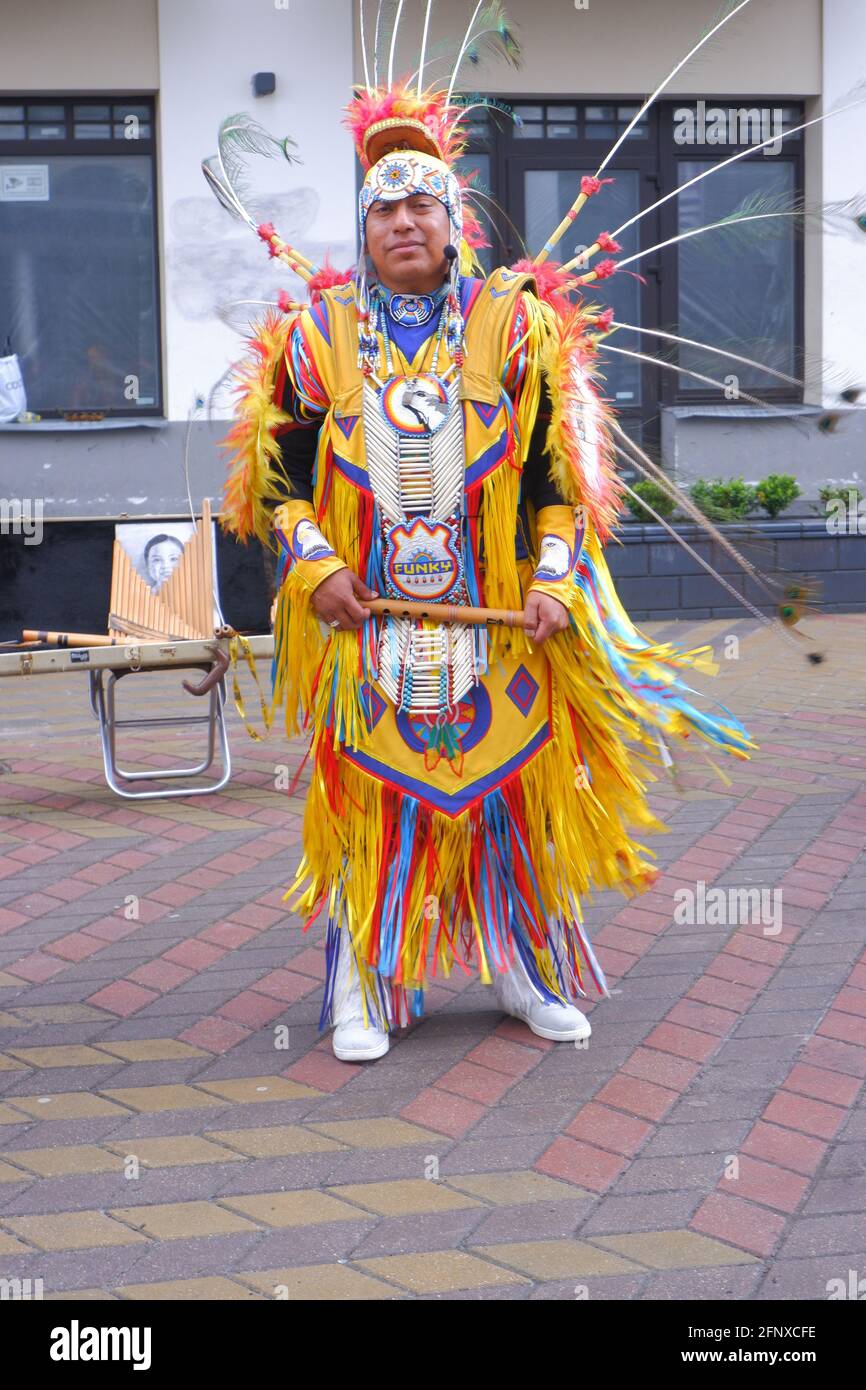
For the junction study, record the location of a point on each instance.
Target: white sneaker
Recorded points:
(519, 998)
(353, 1041)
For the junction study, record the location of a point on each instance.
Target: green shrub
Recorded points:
(776, 492)
(840, 492)
(657, 498)
(724, 499)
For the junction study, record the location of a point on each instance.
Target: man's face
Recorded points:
(406, 240)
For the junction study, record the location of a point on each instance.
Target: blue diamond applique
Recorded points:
(522, 690)
(374, 705)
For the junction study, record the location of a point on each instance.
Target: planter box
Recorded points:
(656, 578)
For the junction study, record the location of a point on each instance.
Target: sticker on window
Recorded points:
(24, 183)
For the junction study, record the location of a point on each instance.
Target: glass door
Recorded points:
(540, 192)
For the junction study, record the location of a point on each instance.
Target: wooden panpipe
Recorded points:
(183, 609)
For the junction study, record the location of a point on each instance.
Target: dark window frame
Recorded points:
(656, 159)
(69, 144)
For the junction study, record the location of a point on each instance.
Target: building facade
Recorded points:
(124, 288)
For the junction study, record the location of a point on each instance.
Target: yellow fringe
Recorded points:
(578, 840)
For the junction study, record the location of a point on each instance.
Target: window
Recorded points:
(78, 266)
(738, 288)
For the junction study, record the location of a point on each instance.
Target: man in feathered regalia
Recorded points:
(435, 437)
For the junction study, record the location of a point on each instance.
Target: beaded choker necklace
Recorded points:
(413, 310)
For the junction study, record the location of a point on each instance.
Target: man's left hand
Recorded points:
(544, 616)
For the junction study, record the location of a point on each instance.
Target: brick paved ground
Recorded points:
(173, 1125)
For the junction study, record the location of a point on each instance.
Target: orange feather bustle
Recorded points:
(582, 451)
(251, 472)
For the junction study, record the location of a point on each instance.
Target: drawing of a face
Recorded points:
(161, 558)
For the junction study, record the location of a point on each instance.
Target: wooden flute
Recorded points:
(444, 612)
(73, 639)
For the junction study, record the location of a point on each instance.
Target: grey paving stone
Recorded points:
(489, 1156)
(855, 1125)
(736, 1052)
(813, 1280)
(189, 1007)
(102, 1268)
(702, 1137)
(302, 1245)
(100, 1191)
(842, 1194)
(616, 1287)
(789, 1023)
(39, 1134)
(846, 1160)
(381, 1165)
(51, 1080)
(756, 1075)
(827, 1235)
(655, 1211)
(401, 1235)
(504, 1120)
(677, 1173)
(531, 1221)
(781, 1000)
(286, 1173)
(191, 1259)
(728, 1105)
(731, 1281)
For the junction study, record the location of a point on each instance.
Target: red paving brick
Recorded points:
(10, 920)
(738, 1222)
(250, 1009)
(121, 998)
(637, 1097)
(476, 1083)
(581, 1163)
(160, 975)
(500, 1055)
(197, 954)
(609, 1129)
(214, 1034)
(662, 1067)
(682, 1042)
(323, 1071)
(36, 967)
(285, 985)
(768, 1184)
(76, 946)
(808, 1116)
(440, 1110)
(845, 1027)
(799, 1152)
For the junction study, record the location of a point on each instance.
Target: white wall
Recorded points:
(843, 169)
(60, 46)
(624, 47)
(208, 51)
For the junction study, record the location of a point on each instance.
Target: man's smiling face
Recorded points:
(406, 239)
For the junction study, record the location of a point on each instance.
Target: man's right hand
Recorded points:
(335, 600)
